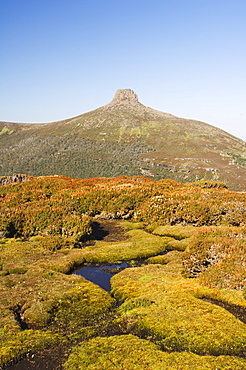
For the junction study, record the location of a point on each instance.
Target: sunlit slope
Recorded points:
(124, 137)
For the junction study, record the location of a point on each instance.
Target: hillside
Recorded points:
(124, 137)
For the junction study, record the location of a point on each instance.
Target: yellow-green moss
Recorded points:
(6, 130)
(131, 353)
(177, 317)
(176, 231)
(174, 257)
(16, 344)
(140, 245)
(132, 225)
(44, 297)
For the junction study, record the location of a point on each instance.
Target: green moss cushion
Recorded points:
(128, 352)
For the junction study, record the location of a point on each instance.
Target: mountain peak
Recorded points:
(126, 98)
(125, 95)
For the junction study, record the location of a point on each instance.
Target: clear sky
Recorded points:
(62, 58)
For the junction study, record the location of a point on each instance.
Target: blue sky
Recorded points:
(61, 58)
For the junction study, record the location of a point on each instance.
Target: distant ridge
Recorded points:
(124, 137)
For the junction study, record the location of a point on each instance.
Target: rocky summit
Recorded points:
(126, 98)
(124, 137)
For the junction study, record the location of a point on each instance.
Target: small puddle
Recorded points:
(108, 231)
(102, 274)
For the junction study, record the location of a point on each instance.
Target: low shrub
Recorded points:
(208, 184)
(217, 256)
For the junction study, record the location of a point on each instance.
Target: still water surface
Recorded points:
(102, 274)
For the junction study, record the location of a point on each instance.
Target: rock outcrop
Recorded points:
(126, 99)
(4, 180)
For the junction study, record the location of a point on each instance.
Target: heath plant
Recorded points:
(217, 256)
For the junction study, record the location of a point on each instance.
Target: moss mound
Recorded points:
(140, 245)
(160, 304)
(49, 304)
(16, 344)
(131, 353)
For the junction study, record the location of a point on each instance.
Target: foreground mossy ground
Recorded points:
(192, 251)
(169, 309)
(131, 353)
(52, 306)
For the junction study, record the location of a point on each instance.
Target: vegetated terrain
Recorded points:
(182, 307)
(124, 137)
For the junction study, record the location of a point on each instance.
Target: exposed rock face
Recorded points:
(125, 95)
(125, 98)
(4, 180)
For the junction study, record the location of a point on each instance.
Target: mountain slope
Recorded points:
(124, 137)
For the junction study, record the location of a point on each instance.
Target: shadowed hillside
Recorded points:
(124, 137)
